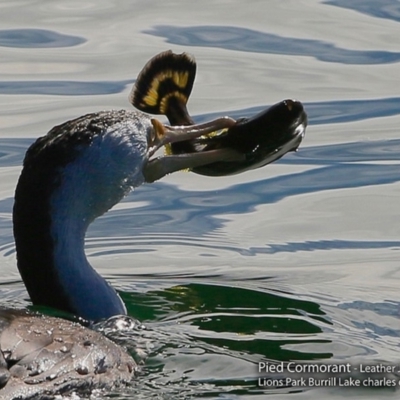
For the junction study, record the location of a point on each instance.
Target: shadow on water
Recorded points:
(248, 40)
(37, 38)
(387, 9)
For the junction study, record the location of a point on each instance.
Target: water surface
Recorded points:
(297, 261)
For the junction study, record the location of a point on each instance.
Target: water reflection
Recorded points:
(191, 214)
(292, 247)
(388, 9)
(63, 88)
(369, 151)
(247, 320)
(217, 334)
(248, 40)
(209, 331)
(12, 151)
(329, 112)
(388, 324)
(37, 38)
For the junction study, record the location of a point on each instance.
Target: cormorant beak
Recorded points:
(163, 134)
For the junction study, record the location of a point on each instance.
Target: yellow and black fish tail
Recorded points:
(164, 86)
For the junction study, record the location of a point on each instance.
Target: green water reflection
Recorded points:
(236, 319)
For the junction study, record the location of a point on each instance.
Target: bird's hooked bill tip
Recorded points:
(290, 103)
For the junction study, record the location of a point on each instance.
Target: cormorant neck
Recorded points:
(55, 201)
(88, 293)
(53, 264)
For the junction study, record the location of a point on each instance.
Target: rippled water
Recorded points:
(295, 261)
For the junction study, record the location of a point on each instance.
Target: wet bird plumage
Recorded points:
(42, 356)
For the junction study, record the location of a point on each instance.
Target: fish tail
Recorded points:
(164, 86)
